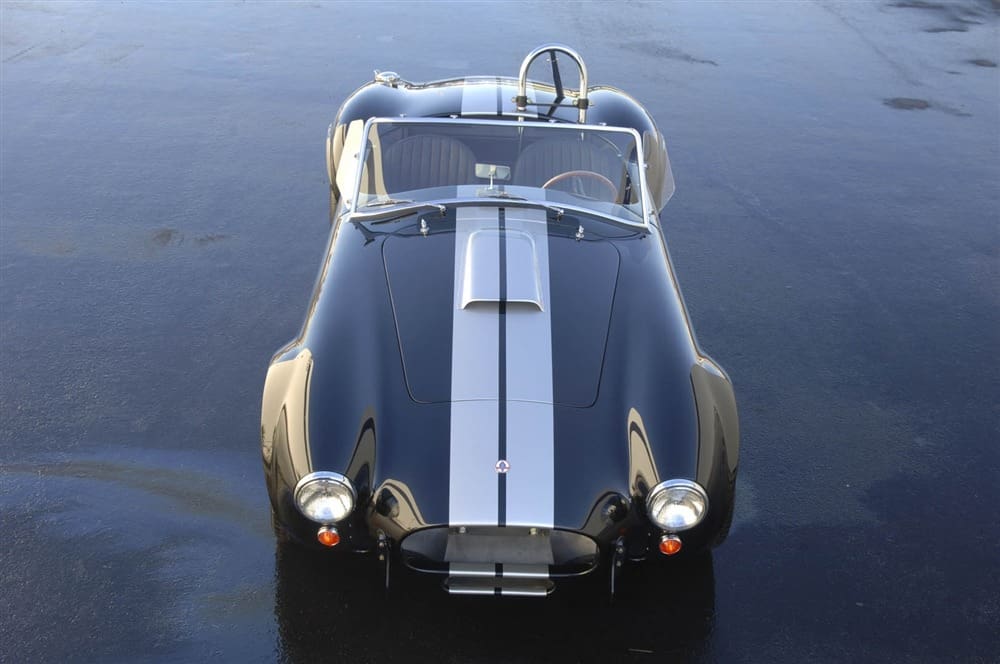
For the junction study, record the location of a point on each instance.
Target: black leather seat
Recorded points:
(540, 162)
(427, 160)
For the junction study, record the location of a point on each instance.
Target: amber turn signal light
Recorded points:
(670, 544)
(329, 536)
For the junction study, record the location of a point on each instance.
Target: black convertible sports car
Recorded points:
(497, 380)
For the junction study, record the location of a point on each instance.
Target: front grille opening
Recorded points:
(565, 553)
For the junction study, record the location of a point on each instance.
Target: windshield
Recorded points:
(583, 167)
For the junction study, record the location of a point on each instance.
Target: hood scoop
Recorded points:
(491, 252)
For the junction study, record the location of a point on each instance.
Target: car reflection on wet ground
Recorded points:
(836, 230)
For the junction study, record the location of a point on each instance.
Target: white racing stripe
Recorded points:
(472, 492)
(482, 372)
(477, 382)
(531, 479)
(479, 99)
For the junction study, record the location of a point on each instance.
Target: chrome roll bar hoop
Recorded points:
(522, 79)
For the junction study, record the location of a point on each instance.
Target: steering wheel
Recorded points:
(585, 175)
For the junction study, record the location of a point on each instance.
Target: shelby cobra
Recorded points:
(497, 380)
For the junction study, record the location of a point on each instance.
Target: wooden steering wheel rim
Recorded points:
(585, 174)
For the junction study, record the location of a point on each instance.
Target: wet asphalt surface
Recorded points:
(836, 230)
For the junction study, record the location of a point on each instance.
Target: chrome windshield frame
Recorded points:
(646, 207)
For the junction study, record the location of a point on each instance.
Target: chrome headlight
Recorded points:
(677, 505)
(325, 497)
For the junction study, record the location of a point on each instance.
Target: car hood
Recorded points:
(497, 308)
(425, 376)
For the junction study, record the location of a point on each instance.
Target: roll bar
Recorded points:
(582, 103)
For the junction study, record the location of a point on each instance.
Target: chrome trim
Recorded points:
(324, 475)
(507, 571)
(521, 571)
(509, 586)
(478, 570)
(522, 77)
(674, 484)
(390, 78)
(354, 214)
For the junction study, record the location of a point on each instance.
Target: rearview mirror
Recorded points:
(493, 171)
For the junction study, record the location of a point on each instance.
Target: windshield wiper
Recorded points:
(387, 201)
(387, 215)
